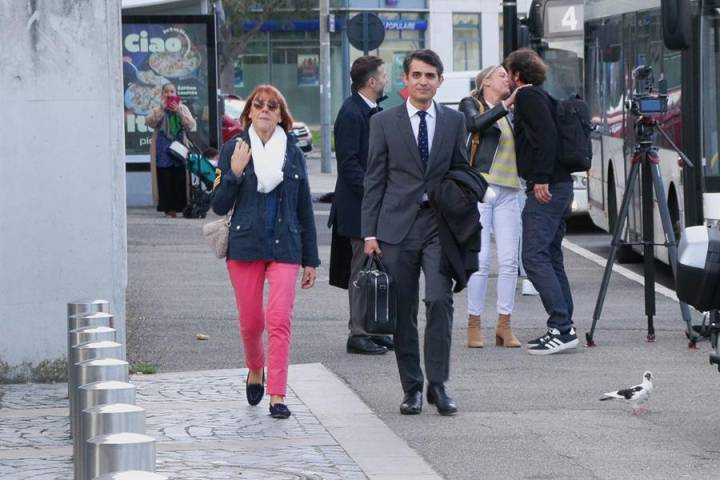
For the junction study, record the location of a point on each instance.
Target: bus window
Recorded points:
(710, 87)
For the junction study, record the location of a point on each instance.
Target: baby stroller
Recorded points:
(202, 177)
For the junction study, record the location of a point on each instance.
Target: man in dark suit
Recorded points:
(412, 147)
(351, 148)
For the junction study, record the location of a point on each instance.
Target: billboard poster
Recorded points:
(168, 49)
(308, 70)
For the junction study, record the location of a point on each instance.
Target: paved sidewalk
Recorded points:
(206, 430)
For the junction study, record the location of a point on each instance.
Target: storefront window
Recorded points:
(467, 54)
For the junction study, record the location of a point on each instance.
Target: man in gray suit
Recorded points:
(412, 147)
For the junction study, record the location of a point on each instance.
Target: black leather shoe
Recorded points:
(364, 346)
(412, 403)
(255, 391)
(279, 410)
(437, 396)
(384, 341)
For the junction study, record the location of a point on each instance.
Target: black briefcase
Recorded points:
(377, 297)
(698, 268)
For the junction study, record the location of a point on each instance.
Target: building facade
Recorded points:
(286, 53)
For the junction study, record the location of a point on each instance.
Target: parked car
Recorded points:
(233, 107)
(304, 138)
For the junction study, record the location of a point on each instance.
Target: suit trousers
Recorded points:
(420, 250)
(357, 315)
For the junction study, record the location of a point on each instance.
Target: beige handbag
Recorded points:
(217, 234)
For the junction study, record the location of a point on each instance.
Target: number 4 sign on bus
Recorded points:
(563, 18)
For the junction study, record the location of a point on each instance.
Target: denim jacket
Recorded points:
(294, 239)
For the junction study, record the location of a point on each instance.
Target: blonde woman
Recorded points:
(491, 151)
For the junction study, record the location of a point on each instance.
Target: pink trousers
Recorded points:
(248, 280)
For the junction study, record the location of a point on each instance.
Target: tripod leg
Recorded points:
(648, 231)
(672, 246)
(619, 226)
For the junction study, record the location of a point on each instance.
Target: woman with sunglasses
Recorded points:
(491, 151)
(272, 234)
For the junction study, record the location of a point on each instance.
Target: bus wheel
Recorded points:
(612, 202)
(674, 210)
(624, 253)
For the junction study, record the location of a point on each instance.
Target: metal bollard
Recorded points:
(92, 395)
(106, 419)
(75, 322)
(96, 370)
(132, 475)
(87, 305)
(118, 452)
(80, 353)
(91, 334)
(88, 319)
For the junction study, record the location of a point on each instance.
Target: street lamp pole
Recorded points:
(326, 25)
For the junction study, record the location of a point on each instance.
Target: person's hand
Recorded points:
(542, 192)
(372, 246)
(176, 107)
(308, 278)
(511, 99)
(240, 157)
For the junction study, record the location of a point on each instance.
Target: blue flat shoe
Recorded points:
(279, 410)
(255, 391)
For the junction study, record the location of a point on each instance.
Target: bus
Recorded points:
(593, 46)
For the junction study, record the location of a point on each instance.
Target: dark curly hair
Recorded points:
(528, 64)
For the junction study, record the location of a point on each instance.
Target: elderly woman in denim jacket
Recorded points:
(491, 151)
(272, 234)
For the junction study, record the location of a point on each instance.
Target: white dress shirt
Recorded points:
(369, 102)
(430, 119)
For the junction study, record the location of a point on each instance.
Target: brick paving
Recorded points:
(204, 427)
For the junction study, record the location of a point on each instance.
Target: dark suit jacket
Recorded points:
(351, 132)
(396, 178)
(351, 146)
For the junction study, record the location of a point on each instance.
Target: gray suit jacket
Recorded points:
(395, 180)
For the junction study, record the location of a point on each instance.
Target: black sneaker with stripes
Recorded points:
(553, 342)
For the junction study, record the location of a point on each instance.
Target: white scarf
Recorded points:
(268, 159)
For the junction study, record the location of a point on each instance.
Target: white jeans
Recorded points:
(503, 220)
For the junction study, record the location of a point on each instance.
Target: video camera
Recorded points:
(646, 100)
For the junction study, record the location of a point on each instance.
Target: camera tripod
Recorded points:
(645, 163)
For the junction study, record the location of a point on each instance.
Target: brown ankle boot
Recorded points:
(475, 339)
(503, 333)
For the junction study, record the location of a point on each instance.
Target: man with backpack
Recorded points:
(549, 195)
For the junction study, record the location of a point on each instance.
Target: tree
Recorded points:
(243, 21)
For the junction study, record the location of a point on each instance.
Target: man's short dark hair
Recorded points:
(363, 69)
(528, 64)
(425, 55)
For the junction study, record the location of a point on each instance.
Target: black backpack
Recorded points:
(572, 118)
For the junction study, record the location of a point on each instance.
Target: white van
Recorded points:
(455, 87)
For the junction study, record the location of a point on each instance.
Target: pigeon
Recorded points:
(637, 395)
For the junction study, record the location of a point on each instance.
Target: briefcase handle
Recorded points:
(373, 259)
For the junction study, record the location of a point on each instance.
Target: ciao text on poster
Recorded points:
(168, 49)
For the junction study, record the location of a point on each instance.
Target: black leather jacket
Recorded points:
(484, 123)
